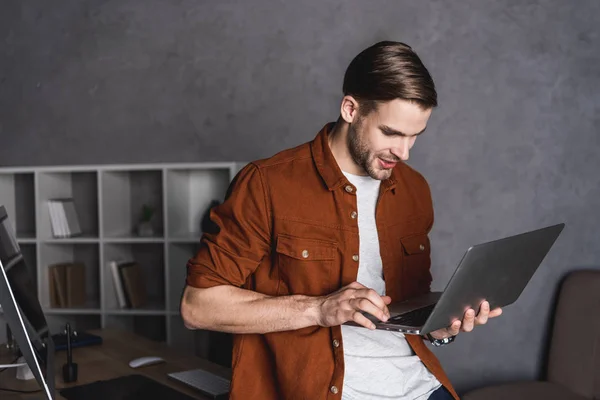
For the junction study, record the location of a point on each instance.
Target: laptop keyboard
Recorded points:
(413, 318)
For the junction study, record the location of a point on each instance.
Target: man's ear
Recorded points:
(349, 109)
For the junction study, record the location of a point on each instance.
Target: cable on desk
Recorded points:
(19, 391)
(4, 369)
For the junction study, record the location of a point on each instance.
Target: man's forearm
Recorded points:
(235, 310)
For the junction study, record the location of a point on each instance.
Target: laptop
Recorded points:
(496, 271)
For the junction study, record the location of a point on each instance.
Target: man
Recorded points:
(316, 235)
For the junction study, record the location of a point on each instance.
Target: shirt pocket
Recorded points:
(305, 265)
(416, 264)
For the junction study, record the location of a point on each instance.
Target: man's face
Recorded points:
(385, 136)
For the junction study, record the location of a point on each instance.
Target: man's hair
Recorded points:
(386, 71)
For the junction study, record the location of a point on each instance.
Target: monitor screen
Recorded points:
(21, 282)
(22, 309)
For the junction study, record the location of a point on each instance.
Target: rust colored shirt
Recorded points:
(289, 225)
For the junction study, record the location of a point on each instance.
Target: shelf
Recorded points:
(72, 240)
(109, 201)
(135, 239)
(137, 311)
(185, 239)
(91, 310)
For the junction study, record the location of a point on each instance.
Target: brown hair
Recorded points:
(386, 71)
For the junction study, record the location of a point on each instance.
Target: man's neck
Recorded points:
(338, 143)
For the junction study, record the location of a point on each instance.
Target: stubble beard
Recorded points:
(361, 154)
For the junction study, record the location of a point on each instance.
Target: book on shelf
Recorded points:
(64, 218)
(67, 285)
(130, 287)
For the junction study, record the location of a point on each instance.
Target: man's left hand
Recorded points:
(469, 321)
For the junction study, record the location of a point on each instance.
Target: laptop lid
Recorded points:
(496, 271)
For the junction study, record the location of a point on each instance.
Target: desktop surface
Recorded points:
(111, 360)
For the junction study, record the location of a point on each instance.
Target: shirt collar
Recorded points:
(328, 168)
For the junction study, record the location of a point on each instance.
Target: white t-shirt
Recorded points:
(379, 364)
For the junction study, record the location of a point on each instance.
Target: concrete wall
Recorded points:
(513, 145)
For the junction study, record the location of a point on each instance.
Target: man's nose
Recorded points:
(402, 150)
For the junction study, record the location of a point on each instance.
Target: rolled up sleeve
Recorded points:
(232, 253)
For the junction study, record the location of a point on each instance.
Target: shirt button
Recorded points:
(336, 343)
(349, 189)
(355, 257)
(305, 253)
(334, 389)
(353, 214)
(421, 247)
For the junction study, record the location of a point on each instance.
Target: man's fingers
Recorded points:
(484, 311)
(454, 329)
(386, 299)
(468, 321)
(374, 298)
(495, 312)
(362, 320)
(364, 304)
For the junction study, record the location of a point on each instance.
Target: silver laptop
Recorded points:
(496, 271)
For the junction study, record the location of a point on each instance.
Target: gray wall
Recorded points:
(513, 145)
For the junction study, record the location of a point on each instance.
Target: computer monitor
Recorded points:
(22, 309)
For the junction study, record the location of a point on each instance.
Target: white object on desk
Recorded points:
(145, 361)
(23, 371)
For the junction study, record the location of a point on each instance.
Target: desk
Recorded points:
(111, 360)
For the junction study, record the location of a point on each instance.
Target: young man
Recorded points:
(314, 236)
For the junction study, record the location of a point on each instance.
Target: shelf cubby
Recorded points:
(189, 195)
(82, 186)
(182, 338)
(124, 194)
(17, 195)
(179, 254)
(85, 253)
(151, 327)
(150, 257)
(79, 322)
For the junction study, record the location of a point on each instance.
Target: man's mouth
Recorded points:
(386, 164)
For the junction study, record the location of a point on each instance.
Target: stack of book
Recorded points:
(67, 285)
(129, 284)
(64, 219)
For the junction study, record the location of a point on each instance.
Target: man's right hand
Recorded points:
(348, 303)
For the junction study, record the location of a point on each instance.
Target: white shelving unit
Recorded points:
(108, 200)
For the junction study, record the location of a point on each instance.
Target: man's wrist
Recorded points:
(440, 342)
(311, 309)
